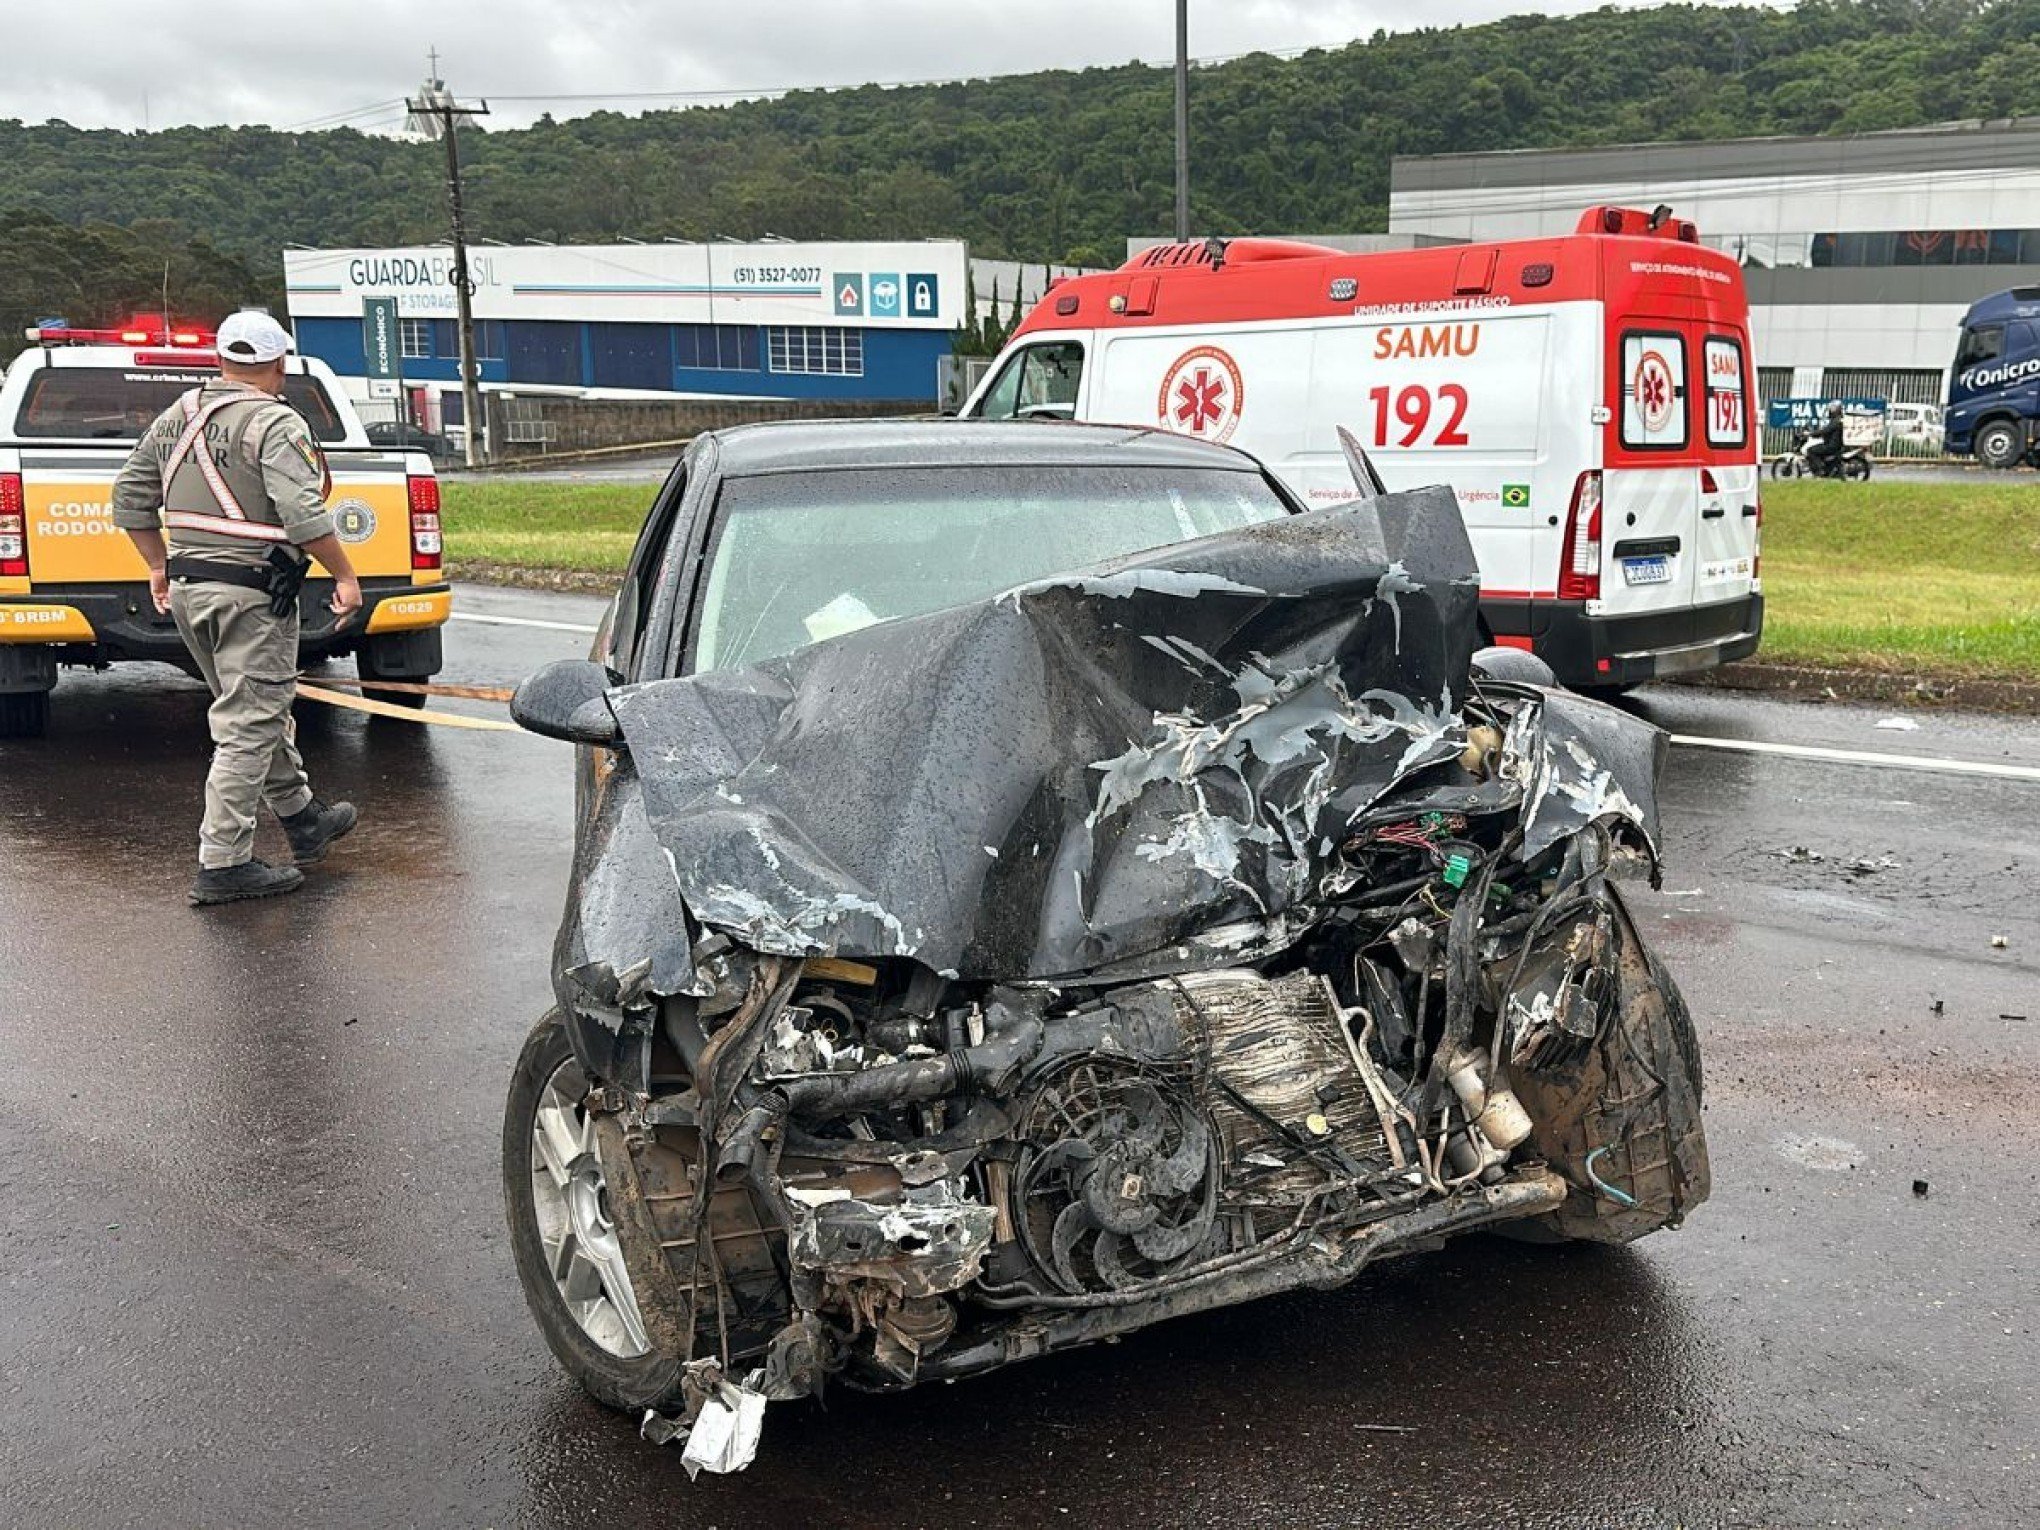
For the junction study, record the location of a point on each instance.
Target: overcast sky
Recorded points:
(124, 63)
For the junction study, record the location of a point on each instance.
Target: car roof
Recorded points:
(784, 446)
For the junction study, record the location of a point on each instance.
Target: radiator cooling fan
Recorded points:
(1119, 1182)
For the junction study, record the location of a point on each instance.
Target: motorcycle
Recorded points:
(1851, 464)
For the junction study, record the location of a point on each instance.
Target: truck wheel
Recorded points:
(1999, 445)
(370, 674)
(24, 714)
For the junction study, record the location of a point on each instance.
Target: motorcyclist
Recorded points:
(1824, 446)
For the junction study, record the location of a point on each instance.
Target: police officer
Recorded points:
(242, 485)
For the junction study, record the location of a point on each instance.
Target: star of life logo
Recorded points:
(1654, 390)
(1201, 395)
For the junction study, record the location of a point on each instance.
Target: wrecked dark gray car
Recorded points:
(1034, 881)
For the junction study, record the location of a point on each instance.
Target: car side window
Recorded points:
(1039, 382)
(634, 601)
(1986, 342)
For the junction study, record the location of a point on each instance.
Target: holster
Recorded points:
(286, 578)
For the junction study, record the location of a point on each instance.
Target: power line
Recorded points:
(341, 119)
(738, 94)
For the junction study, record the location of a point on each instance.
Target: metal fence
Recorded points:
(956, 378)
(1912, 407)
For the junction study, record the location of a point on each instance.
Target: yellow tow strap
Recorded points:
(405, 714)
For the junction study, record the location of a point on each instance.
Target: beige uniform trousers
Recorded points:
(249, 658)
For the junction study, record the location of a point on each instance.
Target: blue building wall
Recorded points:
(683, 358)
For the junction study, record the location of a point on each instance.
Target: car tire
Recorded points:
(625, 1361)
(24, 714)
(1999, 445)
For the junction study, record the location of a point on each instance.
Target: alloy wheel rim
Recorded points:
(576, 1230)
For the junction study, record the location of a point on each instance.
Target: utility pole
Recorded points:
(436, 114)
(1182, 120)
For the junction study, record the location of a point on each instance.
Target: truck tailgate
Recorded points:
(72, 538)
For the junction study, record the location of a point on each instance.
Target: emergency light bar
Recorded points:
(147, 330)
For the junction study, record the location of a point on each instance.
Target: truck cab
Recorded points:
(73, 590)
(1993, 407)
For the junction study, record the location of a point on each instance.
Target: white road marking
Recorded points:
(1733, 745)
(1866, 757)
(523, 621)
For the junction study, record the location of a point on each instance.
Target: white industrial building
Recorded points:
(1860, 253)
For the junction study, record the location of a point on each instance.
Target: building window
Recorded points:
(488, 338)
(415, 337)
(819, 349)
(1924, 247)
(716, 347)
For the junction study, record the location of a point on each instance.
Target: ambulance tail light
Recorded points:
(427, 547)
(13, 528)
(1579, 563)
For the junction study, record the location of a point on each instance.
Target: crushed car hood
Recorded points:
(1137, 768)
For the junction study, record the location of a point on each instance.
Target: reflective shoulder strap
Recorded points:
(232, 520)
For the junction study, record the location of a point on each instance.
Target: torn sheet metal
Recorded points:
(1079, 773)
(1583, 762)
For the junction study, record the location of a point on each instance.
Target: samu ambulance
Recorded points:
(1588, 397)
(73, 590)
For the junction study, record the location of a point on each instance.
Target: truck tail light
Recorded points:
(427, 549)
(13, 528)
(1579, 563)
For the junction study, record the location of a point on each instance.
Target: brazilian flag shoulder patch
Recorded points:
(1515, 496)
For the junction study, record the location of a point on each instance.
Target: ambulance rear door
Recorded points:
(1651, 487)
(1726, 537)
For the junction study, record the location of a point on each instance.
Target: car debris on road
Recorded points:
(1138, 941)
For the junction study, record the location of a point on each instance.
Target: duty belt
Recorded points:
(281, 579)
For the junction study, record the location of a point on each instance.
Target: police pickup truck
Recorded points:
(73, 591)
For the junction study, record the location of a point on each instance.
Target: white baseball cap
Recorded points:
(253, 338)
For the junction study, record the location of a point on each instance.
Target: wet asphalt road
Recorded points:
(253, 1269)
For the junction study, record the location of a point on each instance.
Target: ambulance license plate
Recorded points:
(1656, 569)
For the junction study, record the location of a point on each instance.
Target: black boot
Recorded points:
(315, 826)
(250, 879)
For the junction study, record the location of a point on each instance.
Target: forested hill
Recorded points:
(1061, 165)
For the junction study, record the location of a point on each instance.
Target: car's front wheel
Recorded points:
(568, 1228)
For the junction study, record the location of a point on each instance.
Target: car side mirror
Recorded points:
(568, 700)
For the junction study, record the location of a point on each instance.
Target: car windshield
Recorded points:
(119, 403)
(800, 557)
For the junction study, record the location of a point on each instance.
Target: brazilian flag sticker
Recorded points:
(1515, 496)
